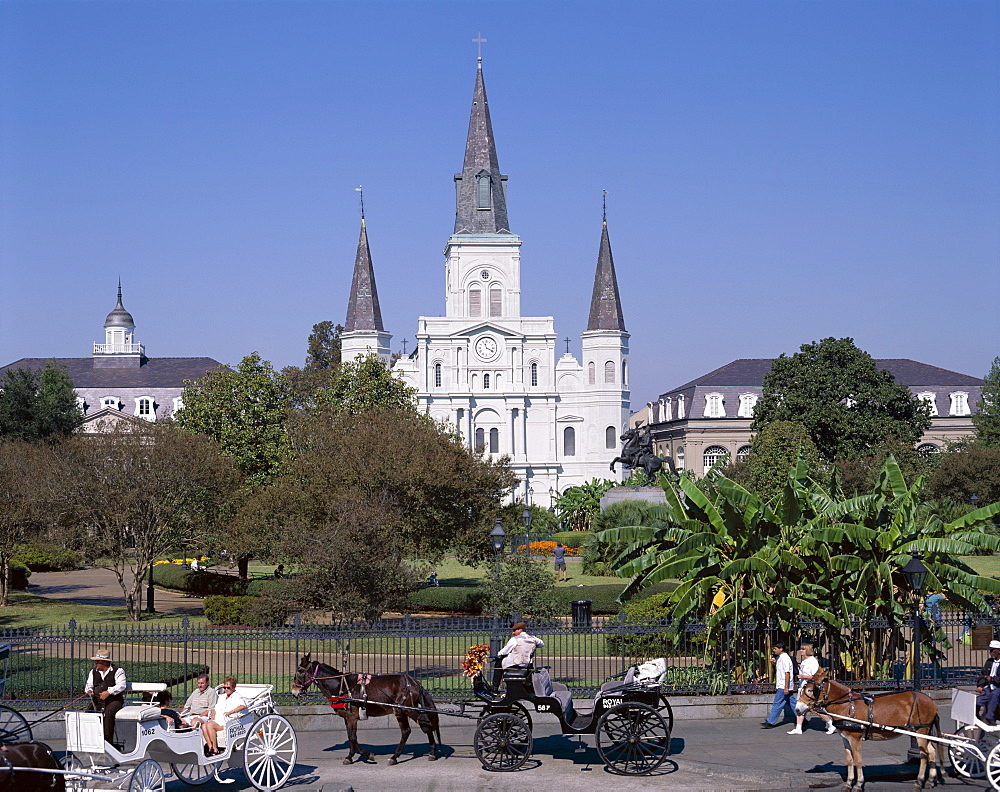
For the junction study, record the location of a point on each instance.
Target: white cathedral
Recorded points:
(491, 372)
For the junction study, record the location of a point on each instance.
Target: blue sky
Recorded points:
(778, 172)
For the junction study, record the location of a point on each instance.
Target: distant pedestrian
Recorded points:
(933, 605)
(560, 555)
(432, 579)
(279, 571)
(808, 666)
(784, 697)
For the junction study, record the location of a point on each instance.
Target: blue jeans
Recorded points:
(782, 700)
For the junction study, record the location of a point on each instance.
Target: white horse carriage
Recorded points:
(258, 740)
(976, 751)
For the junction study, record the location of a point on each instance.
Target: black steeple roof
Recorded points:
(478, 210)
(363, 312)
(605, 304)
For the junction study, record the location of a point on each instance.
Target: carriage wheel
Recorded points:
(667, 713)
(13, 726)
(993, 766)
(193, 774)
(967, 763)
(503, 742)
(517, 708)
(632, 739)
(73, 783)
(148, 777)
(269, 753)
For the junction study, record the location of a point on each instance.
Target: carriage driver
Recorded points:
(988, 685)
(520, 648)
(106, 685)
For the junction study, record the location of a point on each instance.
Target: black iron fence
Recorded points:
(50, 664)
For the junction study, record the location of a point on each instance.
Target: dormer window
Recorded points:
(145, 408)
(930, 399)
(111, 403)
(747, 402)
(483, 192)
(959, 403)
(714, 406)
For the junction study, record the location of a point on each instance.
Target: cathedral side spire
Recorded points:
(605, 304)
(363, 312)
(480, 189)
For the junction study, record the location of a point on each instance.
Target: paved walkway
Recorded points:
(704, 755)
(100, 587)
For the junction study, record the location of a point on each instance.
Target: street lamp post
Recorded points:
(526, 522)
(915, 573)
(498, 537)
(149, 591)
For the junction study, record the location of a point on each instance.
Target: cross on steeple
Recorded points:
(605, 213)
(567, 345)
(360, 190)
(404, 347)
(479, 41)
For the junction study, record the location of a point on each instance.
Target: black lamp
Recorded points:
(916, 573)
(974, 500)
(526, 518)
(498, 537)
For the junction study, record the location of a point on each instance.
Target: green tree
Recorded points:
(38, 406)
(244, 412)
(524, 589)
(136, 493)
(973, 470)
(987, 419)
(578, 506)
(23, 501)
(322, 361)
(773, 453)
(847, 403)
(367, 384)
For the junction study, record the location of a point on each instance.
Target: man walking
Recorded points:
(783, 695)
(808, 666)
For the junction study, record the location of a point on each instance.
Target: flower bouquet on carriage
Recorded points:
(475, 659)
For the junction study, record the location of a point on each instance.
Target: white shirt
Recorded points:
(119, 682)
(783, 665)
(993, 673)
(807, 667)
(228, 704)
(519, 649)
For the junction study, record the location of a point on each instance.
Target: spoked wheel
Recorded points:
(148, 777)
(516, 709)
(503, 742)
(74, 783)
(667, 713)
(194, 774)
(967, 763)
(13, 726)
(632, 739)
(269, 752)
(993, 766)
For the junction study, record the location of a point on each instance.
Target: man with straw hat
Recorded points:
(106, 685)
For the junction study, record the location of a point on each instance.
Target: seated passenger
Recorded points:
(162, 700)
(229, 706)
(200, 705)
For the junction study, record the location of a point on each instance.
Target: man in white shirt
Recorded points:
(988, 686)
(808, 666)
(106, 685)
(783, 695)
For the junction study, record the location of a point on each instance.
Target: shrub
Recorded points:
(573, 539)
(446, 599)
(249, 611)
(653, 609)
(47, 558)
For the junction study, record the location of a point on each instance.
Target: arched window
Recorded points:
(679, 458)
(569, 441)
(743, 453)
(486, 381)
(931, 399)
(610, 438)
(624, 372)
(475, 301)
(437, 375)
(496, 301)
(494, 441)
(480, 440)
(484, 192)
(747, 402)
(714, 454)
(927, 449)
(959, 403)
(145, 408)
(609, 371)
(591, 373)
(534, 375)
(714, 407)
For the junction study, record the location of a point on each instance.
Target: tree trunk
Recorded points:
(243, 565)
(4, 582)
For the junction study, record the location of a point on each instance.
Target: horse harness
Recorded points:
(869, 699)
(344, 698)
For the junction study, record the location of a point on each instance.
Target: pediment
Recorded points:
(106, 420)
(568, 419)
(482, 327)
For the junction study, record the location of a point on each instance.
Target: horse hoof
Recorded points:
(392, 761)
(432, 758)
(347, 761)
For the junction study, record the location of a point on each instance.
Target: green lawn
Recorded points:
(452, 572)
(30, 610)
(984, 565)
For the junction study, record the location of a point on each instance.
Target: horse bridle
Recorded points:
(345, 688)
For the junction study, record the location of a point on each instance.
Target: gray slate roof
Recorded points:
(480, 160)
(363, 311)
(605, 303)
(154, 372)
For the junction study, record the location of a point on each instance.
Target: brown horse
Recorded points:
(381, 691)
(908, 709)
(16, 757)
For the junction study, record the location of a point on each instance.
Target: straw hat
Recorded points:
(104, 655)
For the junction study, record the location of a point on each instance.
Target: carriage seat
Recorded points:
(140, 713)
(650, 672)
(544, 686)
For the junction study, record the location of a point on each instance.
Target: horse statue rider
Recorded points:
(637, 452)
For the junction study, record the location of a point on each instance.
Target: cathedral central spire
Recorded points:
(480, 189)
(363, 311)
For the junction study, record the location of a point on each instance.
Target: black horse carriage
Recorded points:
(630, 717)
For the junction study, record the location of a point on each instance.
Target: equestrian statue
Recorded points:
(637, 452)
